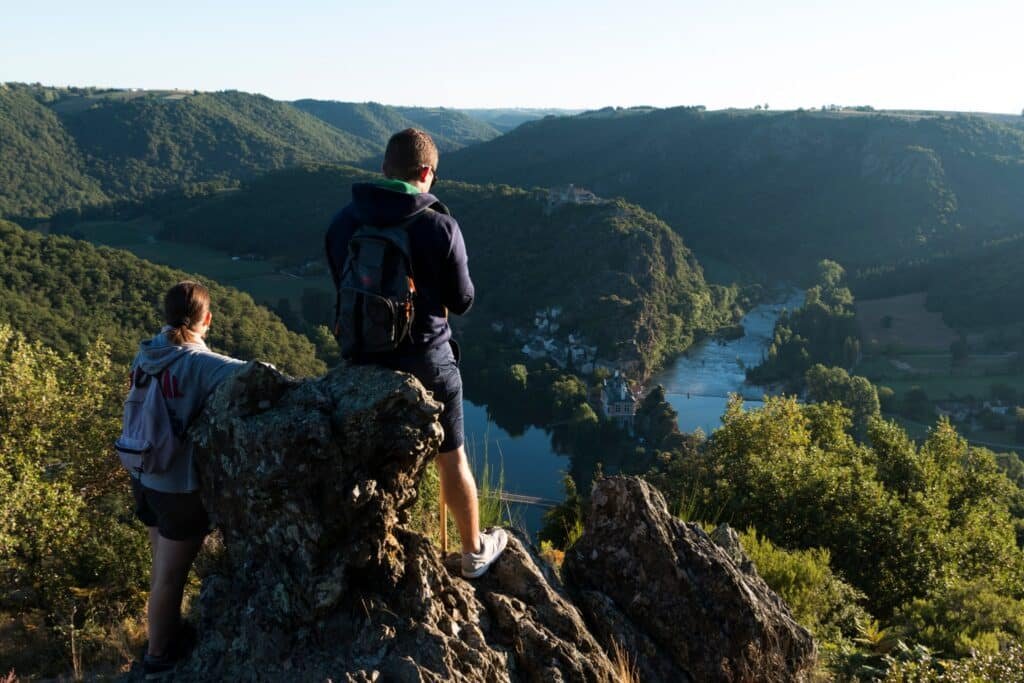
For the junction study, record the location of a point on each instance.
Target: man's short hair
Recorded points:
(408, 151)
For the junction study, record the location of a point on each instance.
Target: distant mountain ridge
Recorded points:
(505, 119)
(68, 148)
(780, 191)
(374, 122)
(156, 144)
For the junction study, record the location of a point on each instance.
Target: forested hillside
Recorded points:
(152, 144)
(67, 294)
(450, 128)
(621, 274)
(65, 149)
(41, 168)
(778, 191)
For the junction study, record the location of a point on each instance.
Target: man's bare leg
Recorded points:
(458, 490)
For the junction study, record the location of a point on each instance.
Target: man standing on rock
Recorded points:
(399, 215)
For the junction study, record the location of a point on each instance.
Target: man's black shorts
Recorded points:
(438, 370)
(177, 516)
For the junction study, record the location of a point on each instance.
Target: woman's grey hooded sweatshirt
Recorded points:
(187, 375)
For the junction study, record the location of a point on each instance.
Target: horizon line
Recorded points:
(572, 109)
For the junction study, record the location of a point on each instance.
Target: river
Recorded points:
(697, 385)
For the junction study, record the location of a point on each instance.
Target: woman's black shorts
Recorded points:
(177, 516)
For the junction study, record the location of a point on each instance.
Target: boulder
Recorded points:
(667, 592)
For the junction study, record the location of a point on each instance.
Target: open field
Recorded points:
(117, 233)
(77, 103)
(912, 327)
(929, 365)
(936, 375)
(939, 388)
(260, 279)
(270, 287)
(917, 353)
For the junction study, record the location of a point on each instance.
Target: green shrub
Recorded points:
(70, 549)
(563, 524)
(900, 520)
(1006, 666)
(965, 617)
(820, 600)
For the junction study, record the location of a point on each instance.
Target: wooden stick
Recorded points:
(444, 525)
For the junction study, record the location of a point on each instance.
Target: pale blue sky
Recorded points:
(943, 54)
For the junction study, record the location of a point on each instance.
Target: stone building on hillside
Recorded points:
(571, 194)
(618, 402)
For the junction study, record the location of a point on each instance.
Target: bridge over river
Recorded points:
(519, 499)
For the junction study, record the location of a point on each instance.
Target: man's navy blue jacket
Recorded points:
(439, 262)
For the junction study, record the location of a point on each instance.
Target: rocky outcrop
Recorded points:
(317, 578)
(667, 591)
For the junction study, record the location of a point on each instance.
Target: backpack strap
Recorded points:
(146, 379)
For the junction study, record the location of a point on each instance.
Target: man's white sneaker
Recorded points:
(492, 543)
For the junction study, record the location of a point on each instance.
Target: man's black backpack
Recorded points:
(376, 291)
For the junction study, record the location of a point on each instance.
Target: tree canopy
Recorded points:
(68, 294)
(917, 528)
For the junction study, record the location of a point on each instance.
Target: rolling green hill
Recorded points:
(68, 148)
(777, 192)
(153, 144)
(67, 293)
(453, 127)
(41, 167)
(622, 276)
(450, 128)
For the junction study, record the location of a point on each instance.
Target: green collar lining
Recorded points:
(398, 186)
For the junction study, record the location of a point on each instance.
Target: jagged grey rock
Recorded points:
(317, 579)
(668, 592)
(306, 481)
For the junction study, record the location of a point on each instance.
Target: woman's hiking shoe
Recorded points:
(158, 668)
(492, 543)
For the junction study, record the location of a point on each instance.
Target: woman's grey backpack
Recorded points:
(148, 443)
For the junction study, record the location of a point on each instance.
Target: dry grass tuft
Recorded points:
(625, 667)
